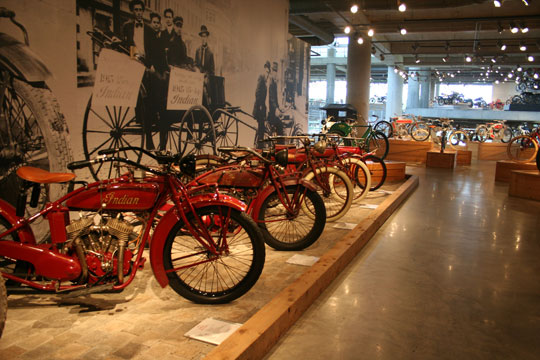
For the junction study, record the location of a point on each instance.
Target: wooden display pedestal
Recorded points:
(492, 151)
(525, 184)
(395, 171)
(437, 159)
(504, 168)
(408, 150)
(464, 157)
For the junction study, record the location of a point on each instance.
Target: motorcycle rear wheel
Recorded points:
(3, 305)
(225, 277)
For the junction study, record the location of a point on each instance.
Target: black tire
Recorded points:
(227, 277)
(283, 232)
(33, 132)
(506, 134)
(197, 132)
(385, 127)
(3, 304)
(360, 176)
(419, 131)
(482, 133)
(379, 163)
(440, 101)
(458, 140)
(378, 141)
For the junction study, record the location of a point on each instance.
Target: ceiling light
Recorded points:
(519, 68)
(513, 28)
(468, 58)
(530, 58)
(360, 40)
(524, 28)
(497, 82)
(510, 75)
(416, 59)
(347, 29)
(402, 6)
(396, 69)
(522, 47)
(402, 31)
(446, 58)
(371, 32)
(354, 9)
(525, 2)
(503, 47)
(536, 76)
(493, 60)
(497, 3)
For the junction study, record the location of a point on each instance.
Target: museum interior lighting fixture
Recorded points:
(402, 30)
(347, 29)
(371, 32)
(468, 58)
(497, 3)
(402, 7)
(501, 45)
(513, 28)
(354, 8)
(359, 39)
(522, 46)
(530, 58)
(524, 28)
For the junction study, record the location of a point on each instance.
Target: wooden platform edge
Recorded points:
(262, 331)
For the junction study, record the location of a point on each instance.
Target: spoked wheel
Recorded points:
(420, 131)
(385, 127)
(33, 132)
(336, 189)
(378, 141)
(226, 128)
(458, 140)
(378, 171)
(482, 133)
(522, 148)
(506, 134)
(204, 277)
(197, 132)
(110, 127)
(360, 176)
(292, 230)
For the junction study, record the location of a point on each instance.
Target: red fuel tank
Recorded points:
(235, 177)
(117, 196)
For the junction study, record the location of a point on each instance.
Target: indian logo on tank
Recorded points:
(111, 198)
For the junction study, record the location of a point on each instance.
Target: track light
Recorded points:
(497, 82)
(525, 2)
(468, 58)
(524, 28)
(360, 40)
(371, 32)
(530, 58)
(522, 47)
(501, 46)
(513, 28)
(519, 68)
(402, 30)
(446, 58)
(402, 6)
(493, 60)
(497, 3)
(500, 28)
(354, 9)
(536, 76)
(416, 59)
(347, 29)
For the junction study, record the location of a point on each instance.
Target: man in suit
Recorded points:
(177, 54)
(156, 56)
(259, 107)
(136, 34)
(204, 58)
(168, 30)
(273, 108)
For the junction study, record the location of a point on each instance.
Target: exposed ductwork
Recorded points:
(322, 35)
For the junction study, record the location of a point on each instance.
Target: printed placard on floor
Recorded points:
(212, 331)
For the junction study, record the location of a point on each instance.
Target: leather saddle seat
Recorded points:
(41, 176)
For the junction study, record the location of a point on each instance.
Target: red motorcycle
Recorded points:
(204, 246)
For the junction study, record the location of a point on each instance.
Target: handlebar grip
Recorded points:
(78, 164)
(4, 12)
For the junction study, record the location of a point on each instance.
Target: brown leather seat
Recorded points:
(43, 176)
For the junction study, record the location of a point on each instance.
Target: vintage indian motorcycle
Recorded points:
(202, 243)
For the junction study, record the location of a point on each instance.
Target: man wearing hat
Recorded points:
(259, 107)
(177, 54)
(204, 59)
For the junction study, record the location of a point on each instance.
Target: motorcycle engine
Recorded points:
(101, 244)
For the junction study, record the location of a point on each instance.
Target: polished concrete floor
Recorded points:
(453, 274)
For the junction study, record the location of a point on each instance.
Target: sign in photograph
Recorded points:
(118, 79)
(185, 89)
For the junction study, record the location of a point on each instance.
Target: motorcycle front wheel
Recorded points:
(203, 277)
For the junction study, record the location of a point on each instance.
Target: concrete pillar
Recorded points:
(433, 89)
(437, 91)
(425, 91)
(358, 76)
(394, 102)
(413, 91)
(330, 76)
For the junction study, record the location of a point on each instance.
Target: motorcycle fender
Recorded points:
(171, 217)
(269, 190)
(46, 262)
(25, 234)
(21, 61)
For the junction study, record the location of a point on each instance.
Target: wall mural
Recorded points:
(181, 75)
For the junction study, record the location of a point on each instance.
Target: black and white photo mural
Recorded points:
(180, 75)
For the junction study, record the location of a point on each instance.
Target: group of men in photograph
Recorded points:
(160, 46)
(266, 109)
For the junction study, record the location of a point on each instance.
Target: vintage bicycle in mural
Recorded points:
(33, 130)
(198, 129)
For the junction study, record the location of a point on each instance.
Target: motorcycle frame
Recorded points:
(170, 188)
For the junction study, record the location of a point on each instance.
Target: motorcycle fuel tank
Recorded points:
(241, 178)
(130, 196)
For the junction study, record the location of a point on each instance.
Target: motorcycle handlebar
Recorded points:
(231, 149)
(78, 164)
(5, 12)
